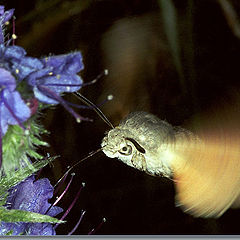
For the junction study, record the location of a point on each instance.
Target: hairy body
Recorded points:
(206, 171)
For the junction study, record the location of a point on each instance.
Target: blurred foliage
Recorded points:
(168, 13)
(172, 58)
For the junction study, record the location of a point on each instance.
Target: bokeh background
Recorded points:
(176, 59)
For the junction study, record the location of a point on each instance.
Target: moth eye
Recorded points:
(126, 150)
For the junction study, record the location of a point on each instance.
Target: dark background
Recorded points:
(128, 38)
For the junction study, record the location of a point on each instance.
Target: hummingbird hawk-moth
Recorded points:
(205, 166)
(206, 172)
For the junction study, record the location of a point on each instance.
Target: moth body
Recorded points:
(206, 171)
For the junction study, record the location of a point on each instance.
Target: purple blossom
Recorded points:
(13, 110)
(4, 17)
(48, 77)
(31, 196)
(58, 75)
(14, 59)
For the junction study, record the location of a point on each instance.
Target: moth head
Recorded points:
(116, 145)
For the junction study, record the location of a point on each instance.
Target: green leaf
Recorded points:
(19, 145)
(15, 215)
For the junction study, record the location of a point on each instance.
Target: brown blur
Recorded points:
(134, 49)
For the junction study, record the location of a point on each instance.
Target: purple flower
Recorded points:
(31, 196)
(14, 59)
(4, 17)
(49, 77)
(58, 75)
(13, 110)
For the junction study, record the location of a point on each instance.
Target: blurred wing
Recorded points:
(208, 181)
(207, 173)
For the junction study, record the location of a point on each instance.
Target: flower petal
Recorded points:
(37, 76)
(7, 80)
(43, 229)
(14, 59)
(4, 17)
(43, 97)
(19, 110)
(62, 83)
(16, 228)
(71, 63)
(13, 52)
(26, 66)
(59, 75)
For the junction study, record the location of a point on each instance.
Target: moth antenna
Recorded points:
(95, 108)
(75, 164)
